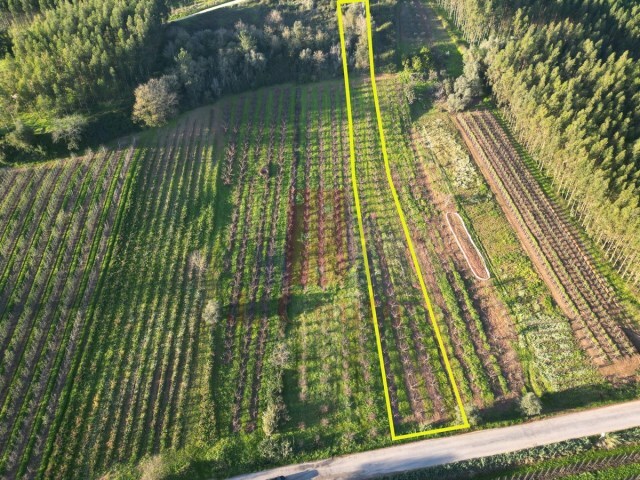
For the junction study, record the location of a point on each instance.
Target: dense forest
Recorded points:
(284, 46)
(567, 77)
(82, 54)
(208, 63)
(68, 68)
(69, 63)
(18, 8)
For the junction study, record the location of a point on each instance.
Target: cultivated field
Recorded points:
(603, 328)
(204, 285)
(484, 364)
(138, 384)
(56, 222)
(233, 287)
(548, 350)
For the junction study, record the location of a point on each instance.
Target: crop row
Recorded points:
(419, 386)
(580, 288)
(51, 273)
(133, 371)
(468, 325)
(469, 307)
(256, 277)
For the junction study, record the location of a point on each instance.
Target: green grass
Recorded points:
(152, 376)
(108, 264)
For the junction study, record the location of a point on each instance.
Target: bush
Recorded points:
(22, 135)
(153, 468)
(69, 130)
(270, 419)
(275, 449)
(530, 404)
(473, 415)
(211, 313)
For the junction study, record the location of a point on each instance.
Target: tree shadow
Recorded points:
(503, 410)
(588, 396)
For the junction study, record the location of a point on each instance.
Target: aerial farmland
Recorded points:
(296, 230)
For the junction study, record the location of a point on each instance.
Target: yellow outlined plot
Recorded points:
(405, 228)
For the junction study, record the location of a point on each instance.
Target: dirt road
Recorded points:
(210, 9)
(483, 443)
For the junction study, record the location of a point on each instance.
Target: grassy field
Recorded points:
(422, 23)
(469, 313)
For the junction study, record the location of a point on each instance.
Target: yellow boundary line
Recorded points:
(416, 265)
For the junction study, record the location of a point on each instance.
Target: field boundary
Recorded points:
(394, 193)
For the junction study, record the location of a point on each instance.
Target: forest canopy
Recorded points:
(84, 60)
(211, 62)
(80, 55)
(74, 58)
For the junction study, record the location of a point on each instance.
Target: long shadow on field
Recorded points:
(506, 409)
(314, 405)
(588, 395)
(305, 303)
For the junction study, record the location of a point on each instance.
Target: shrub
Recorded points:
(69, 130)
(530, 404)
(153, 468)
(275, 449)
(211, 313)
(270, 419)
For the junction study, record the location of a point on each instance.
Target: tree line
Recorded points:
(202, 65)
(565, 74)
(66, 68)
